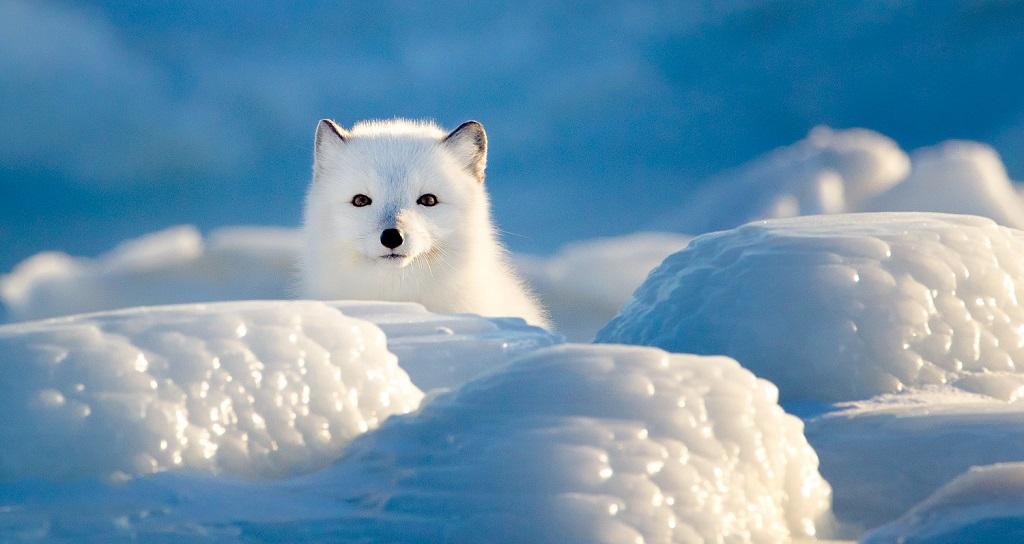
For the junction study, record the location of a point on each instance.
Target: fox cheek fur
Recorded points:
(397, 210)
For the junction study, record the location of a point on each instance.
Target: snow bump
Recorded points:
(845, 307)
(248, 389)
(579, 443)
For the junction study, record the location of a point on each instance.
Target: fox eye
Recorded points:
(361, 200)
(427, 200)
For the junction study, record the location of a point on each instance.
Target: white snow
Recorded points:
(585, 283)
(170, 266)
(830, 171)
(986, 504)
(854, 170)
(582, 443)
(845, 307)
(886, 454)
(251, 389)
(445, 351)
(956, 177)
(574, 443)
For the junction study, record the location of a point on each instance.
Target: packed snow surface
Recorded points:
(845, 307)
(250, 389)
(884, 455)
(585, 283)
(444, 351)
(984, 506)
(581, 443)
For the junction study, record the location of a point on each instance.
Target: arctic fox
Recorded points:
(397, 210)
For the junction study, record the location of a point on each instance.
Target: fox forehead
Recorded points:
(388, 164)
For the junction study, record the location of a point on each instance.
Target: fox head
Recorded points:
(394, 193)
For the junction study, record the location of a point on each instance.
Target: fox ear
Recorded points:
(329, 131)
(469, 145)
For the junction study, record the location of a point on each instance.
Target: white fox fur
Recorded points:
(449, 258)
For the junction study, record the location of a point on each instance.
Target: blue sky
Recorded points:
(122, 118)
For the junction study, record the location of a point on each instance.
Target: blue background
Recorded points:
(119, 119)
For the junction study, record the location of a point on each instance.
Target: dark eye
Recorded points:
(427, 200)
(361, 200)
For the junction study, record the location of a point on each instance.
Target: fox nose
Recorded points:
(391, 238)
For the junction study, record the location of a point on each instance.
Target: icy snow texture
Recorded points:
(170, 266)
(985, 505)
(854, 170)
(886, 454)
(830, 171)
(569, 444)
(845, 307)
(581, 443)
(251, 389)
(585, 283)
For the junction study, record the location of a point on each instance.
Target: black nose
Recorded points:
(391, 238)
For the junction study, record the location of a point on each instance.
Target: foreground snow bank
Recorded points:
(574, 443)
(985, 505)
(884, 455)
(252, 389)
(845, 307)
(585, 283)
(589, 444)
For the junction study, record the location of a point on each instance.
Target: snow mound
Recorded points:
(585, 283)
(252, 389)
(984, 505)
(170, 266)
(854, 170)
(884, 455)
(444, 351)
(845, 307)
(830, 171)
(956, 177)
(581, 443)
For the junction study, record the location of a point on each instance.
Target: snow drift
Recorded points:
(251, 389)
(166, 267)
(588, 444)
(830, 171)
(955, 177)
(854, 170)
(984, 505)
(845, 307)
